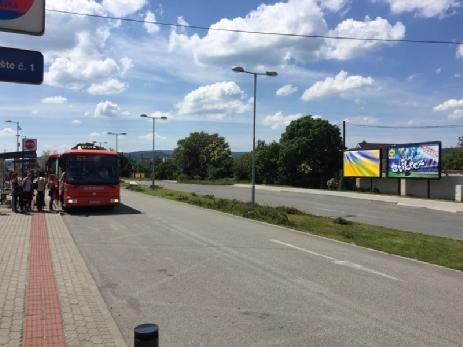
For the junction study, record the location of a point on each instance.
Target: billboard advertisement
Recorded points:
(416, 160)
(362, 163)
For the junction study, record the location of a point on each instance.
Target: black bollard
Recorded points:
(146, 335)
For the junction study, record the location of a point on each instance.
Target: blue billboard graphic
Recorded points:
(418, 160)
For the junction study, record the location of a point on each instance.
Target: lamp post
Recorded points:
(117, 139)
(240, 69)
(18, 129)
(154, 143)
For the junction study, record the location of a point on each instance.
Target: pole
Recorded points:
(253, 194)
(341, 180)
(152, 160)
(429, 189)
(117, 143)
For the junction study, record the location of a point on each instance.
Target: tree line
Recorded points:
(308, 154)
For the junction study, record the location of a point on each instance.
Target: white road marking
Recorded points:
(337, 261)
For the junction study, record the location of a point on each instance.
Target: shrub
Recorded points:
(341, 221)
(332, 184)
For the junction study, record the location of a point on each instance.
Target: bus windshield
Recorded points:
(92, 169)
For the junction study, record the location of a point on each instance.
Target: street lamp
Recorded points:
(117, 138)
(240, 69)
(154, 136)
(18, 128)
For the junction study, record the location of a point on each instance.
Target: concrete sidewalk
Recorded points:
(446, 206)
(47, 295)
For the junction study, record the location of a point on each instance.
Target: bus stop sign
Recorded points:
(21, 66)
(23, 16)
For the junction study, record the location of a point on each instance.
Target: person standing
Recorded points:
(62, 180)
(28, 192)
(41, 184)
(16, 192)
(52, 191)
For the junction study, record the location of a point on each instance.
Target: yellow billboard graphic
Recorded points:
(362, 163)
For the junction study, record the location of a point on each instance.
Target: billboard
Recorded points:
(415, 160)
(362, 163)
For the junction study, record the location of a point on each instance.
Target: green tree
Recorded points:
(310, 152)
(203, 155)
(453, 158)
(126, 165)
(242, 167)
(267, 162)
(166, 170)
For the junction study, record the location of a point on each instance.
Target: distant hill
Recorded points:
(140, 155)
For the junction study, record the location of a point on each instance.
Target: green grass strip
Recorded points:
(430, 249)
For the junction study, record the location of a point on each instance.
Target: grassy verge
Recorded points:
(218, 182)
(431, 249)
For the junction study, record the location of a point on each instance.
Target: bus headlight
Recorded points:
(72, 201)
(114, 201)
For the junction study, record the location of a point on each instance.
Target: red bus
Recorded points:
(52, 164)
(91, 177)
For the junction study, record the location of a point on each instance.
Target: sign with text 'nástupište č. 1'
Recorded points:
(21, 66)
(23, 16)
(415, 160)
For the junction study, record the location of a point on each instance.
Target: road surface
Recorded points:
(211, 279)
(422, 220)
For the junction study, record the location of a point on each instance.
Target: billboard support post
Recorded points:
(429, 189)
(399, 186)
(371, 184)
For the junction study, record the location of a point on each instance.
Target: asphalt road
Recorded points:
(210, 279)
(391, 215)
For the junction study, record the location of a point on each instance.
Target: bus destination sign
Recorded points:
(21, 66)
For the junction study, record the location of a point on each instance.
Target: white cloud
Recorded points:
(35, 111)
(55, 100)
(76, 122)
(438, 71)
(150, 27)
(294, 16)
(460, 52)
(456, 114)
(279, 120)
(182, 21)
(111, 86)
(85, 61)
(423, 8)
(219, 47)
(123, 7)
(286, 90)
(341, 83)
(362, 120)
(448, 105)
(107, 109)
(333, 5)
(126, 65)
(96, 135)
(378, 28)
(149, 137)
(7, 132)
(214, 101)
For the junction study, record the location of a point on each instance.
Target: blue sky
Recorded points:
(102, 74)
